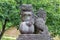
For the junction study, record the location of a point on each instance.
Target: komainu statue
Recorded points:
(40, 21)
(33, 26)
(27, 24)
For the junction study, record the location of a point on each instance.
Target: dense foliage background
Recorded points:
(10, 9)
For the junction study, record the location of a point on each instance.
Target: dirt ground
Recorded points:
(12, 32)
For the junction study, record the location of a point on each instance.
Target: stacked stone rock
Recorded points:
(35, 28)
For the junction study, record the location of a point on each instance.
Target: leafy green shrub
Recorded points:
(10, 9)
(52, 8)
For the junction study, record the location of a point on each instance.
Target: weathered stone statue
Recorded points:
(27, 24)
(40, 21)
(33, 26)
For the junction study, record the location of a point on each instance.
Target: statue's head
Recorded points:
(42, 14)
(26, 7)
(26, 12)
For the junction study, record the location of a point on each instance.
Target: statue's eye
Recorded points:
(29, 14)
(24, 10)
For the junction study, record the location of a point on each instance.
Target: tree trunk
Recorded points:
(3, 29)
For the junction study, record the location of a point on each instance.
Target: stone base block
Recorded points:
(33, 37)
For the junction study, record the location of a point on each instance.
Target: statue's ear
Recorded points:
(41, 14)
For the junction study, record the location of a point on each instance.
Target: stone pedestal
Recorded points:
(33, 37)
